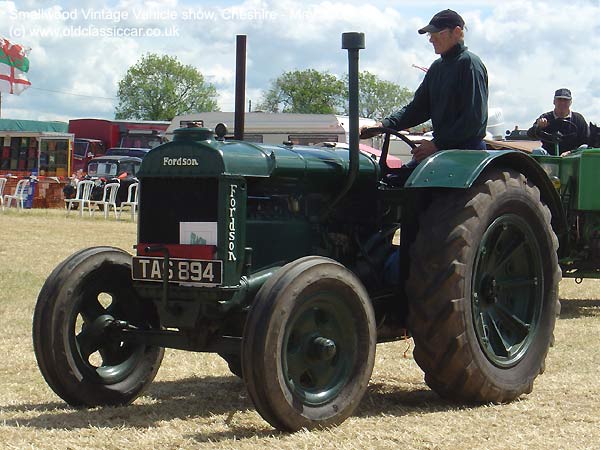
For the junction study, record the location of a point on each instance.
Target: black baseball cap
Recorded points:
(563, 93)
(442, 20)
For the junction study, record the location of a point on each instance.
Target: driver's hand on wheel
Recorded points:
(424, 149)
(367, 132)
(541, 123)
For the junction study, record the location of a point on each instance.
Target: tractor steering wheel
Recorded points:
(386, 145)
(557, 137)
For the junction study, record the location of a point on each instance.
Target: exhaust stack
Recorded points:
(240, 86)
(353, 42)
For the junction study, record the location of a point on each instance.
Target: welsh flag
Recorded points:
(14, 66)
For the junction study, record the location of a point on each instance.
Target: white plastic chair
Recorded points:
(109, 199)
(132, 200)
(2, 184)
(19, 196)
(82, 197)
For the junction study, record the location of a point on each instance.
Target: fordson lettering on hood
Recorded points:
(180, 161)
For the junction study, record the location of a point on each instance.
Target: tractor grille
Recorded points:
(165, 202)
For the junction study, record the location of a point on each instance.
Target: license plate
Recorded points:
(197, 271)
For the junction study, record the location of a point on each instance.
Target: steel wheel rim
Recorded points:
(319, 349)
(99, 356)
(507, 290)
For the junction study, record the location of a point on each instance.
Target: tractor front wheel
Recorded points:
(76, 353)
(309, 345)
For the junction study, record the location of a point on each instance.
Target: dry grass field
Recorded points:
(195, 402)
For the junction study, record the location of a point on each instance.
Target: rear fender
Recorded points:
(460, 169)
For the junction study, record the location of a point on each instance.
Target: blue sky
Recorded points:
(530, 48)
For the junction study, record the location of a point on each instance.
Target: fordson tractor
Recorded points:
(284, 260)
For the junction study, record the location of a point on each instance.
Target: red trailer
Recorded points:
(94, 136)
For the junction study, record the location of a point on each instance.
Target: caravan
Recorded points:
(279, 128)
(272, 128)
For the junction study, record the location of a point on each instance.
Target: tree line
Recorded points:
(161, 87)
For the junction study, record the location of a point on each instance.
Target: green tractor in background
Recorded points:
(284, 261)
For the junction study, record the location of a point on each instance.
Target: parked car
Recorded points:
(127, 151)
(109, 168)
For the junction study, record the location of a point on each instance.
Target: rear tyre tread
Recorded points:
(438, 324)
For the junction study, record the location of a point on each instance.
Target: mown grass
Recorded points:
(196, 403)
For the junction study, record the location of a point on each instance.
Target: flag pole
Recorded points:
(0, 105)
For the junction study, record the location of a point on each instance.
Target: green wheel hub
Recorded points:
(101, 357)
(507, 290)
(319, 348)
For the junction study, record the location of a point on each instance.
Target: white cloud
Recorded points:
(530, 47)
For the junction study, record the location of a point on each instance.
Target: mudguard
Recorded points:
(459, 169)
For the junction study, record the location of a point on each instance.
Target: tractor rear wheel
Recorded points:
(309, 345)
(483, 289)
(78, 358)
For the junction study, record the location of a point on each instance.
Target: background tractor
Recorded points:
(284, 260)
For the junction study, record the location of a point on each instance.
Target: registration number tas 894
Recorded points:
(179, 270)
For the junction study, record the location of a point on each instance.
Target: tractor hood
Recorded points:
(195, 153)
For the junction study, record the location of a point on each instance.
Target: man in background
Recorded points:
(570, 124)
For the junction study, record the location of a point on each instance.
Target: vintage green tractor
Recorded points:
(284, 261)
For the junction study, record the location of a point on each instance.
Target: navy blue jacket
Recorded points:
(454, 95)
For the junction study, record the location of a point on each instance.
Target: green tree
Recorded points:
(379, 98)
(160, 88)
(304, 91)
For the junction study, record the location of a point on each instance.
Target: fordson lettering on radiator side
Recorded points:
(231, 237)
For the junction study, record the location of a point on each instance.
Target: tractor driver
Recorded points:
(453, 94)
(569, 123)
